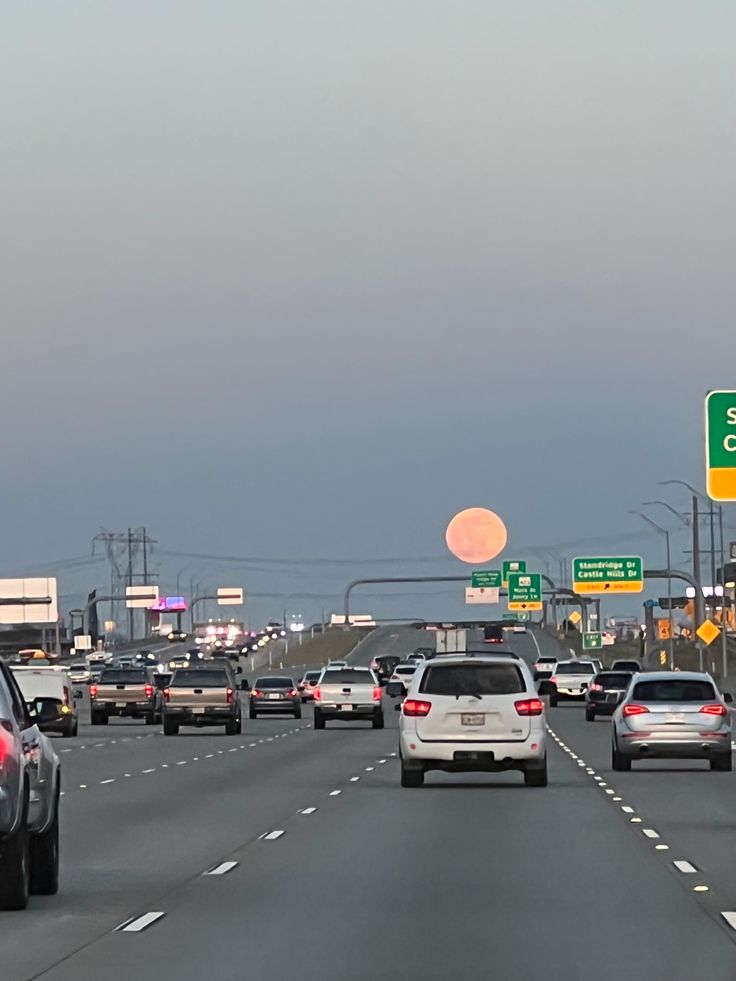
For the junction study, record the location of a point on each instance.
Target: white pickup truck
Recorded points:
(345, 694)
(570, 680)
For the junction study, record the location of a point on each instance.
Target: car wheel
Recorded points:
(15, 870)
(411, 778)
(619, 762)
(96, 719)
(319, 722)
(378, 720)
(232, 728)
(298, 712)
(536, 775)
(150, 719)
(44, 858)
(171, 728)
(252, 714)
(723, 762)
(589, 714)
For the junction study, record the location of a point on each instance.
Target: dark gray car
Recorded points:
(275, 695)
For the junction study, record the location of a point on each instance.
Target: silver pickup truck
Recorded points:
(128, 692)
(346, 694)
(29, 798)
(205, 696)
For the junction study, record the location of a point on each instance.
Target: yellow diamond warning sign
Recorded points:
(708, 632)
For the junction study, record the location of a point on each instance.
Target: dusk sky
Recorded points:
(298, 280)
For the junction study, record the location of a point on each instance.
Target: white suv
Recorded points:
(468, 713)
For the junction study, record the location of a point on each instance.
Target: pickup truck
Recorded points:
(29, 798)
(346, 694)
(204, 696)
(127, 692)
(570, 680)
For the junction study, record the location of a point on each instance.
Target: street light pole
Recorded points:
(665, 532)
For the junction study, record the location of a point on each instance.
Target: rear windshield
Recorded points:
(546, 660)
(312, 675)
(674, 691)
(77, 667)
(131, 677)
(626, 666)
(405, 669)
(575, 669)
(274, 683)
(347, 677)
(200, 679)
(614, 679)
(473, 679)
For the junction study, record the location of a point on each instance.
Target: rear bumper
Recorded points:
(130, 708)
(601, 708)
(357, 711)
(459, 755)
(569, 694)
(212, 715)
(688, 746)
(282, 705)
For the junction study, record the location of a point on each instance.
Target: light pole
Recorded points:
(665, 532)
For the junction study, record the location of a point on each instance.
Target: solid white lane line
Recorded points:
(682, 866)
(308, 810)
(730, 918)
(222, 869)
(140, 923)
(111, 780)
(272, 835)
(649, 832)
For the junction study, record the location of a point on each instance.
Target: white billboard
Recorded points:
(481, 594)
(28, 601)
(140, 597)
(230, 596)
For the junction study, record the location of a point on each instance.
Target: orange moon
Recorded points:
(476, 535)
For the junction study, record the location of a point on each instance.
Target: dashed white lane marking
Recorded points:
(730, 918)
(111, 780)
(164, 766)
(210, 756)
(369, 769)
(335, 793)
(701, 888)
(662, 848)
(233, 750)
(682, 866)
(272, 835)
(354, 779)
(140, 923)
(609, 791)
(627, 810)
(649, 833)
(382, 761)
(83, 786)
(252, 745)
(223, 868)
(636, 820)
(182, 763)
(149, 770)
(308, 810)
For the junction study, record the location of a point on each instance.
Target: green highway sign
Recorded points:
(720, 445)
(608, 574)
(592, 641)
(512, 565)
(486, 579)
(510, 616)
(525, 591)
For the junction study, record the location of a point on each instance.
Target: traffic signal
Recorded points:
(675, 603)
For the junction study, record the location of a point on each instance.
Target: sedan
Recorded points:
(79, 673)
(307, 685)
(605, 692)
(672, 715)
(275, 695)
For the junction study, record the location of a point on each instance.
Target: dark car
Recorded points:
(275, 695)
(605, 692)
(383, 665)
(493, 633)
(631, 665)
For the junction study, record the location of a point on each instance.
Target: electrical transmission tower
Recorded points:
(123, 549)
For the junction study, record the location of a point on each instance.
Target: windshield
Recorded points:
(473, 679)
(674, 691)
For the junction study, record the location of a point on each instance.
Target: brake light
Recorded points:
(413, 707)
(529, 706)
(149, 691)
(229, 692)
(256, 693)
(167, 694)
(596, 687)
(715, 709)
(317, 694)
(293, 693)
(377, 693)
(93, 691)
(633, 709)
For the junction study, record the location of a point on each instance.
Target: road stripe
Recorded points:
(682, 866)
(730, 918)
(627, 810)
(222, 869)
(140, 923)
(149, 770)
(272, 835)
(649, 832)
(111, 780)
(335, 793)
(308, 810)
(354, 779)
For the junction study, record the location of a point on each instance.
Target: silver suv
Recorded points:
(29, 798)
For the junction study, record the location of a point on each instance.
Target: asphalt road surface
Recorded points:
(326, 869)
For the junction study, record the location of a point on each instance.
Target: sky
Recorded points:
(301, 280)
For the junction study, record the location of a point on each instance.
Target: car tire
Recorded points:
(378, 720)
(171, 728)
(535, 775)
(150, 718)
(552, 701)
(252, 714)
(319, 721)
(15, 868)
(619, 762)
(44, 858)
(411, 778)
(99, 719)
(232, 727)
(722, 763)
(589, 714)
(298, 712)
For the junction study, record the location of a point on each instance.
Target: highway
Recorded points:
(327, 869)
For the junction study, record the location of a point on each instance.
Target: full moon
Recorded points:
(476, 535)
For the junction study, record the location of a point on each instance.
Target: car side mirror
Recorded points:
(394, 689)
(727, 697)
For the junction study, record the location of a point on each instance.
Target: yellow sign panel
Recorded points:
(663, 657)
(664, 629)
(525, 607)
(708, 632)
(575, 617)
(599, 588)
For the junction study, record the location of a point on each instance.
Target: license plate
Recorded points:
(346, 708)
(274, 697)
(676, 718)
(198, 711)
(120, 705)
(470, 719)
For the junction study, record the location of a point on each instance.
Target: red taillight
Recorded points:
(293, 693)
(595, 687)
(317, 694)
(633, 709)
(149, 691)
(529, 706)
(93, 691)
(377, 693)
(167, 694)
(413, 707)
(256, 693)
(229, 692)
(715, 709)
